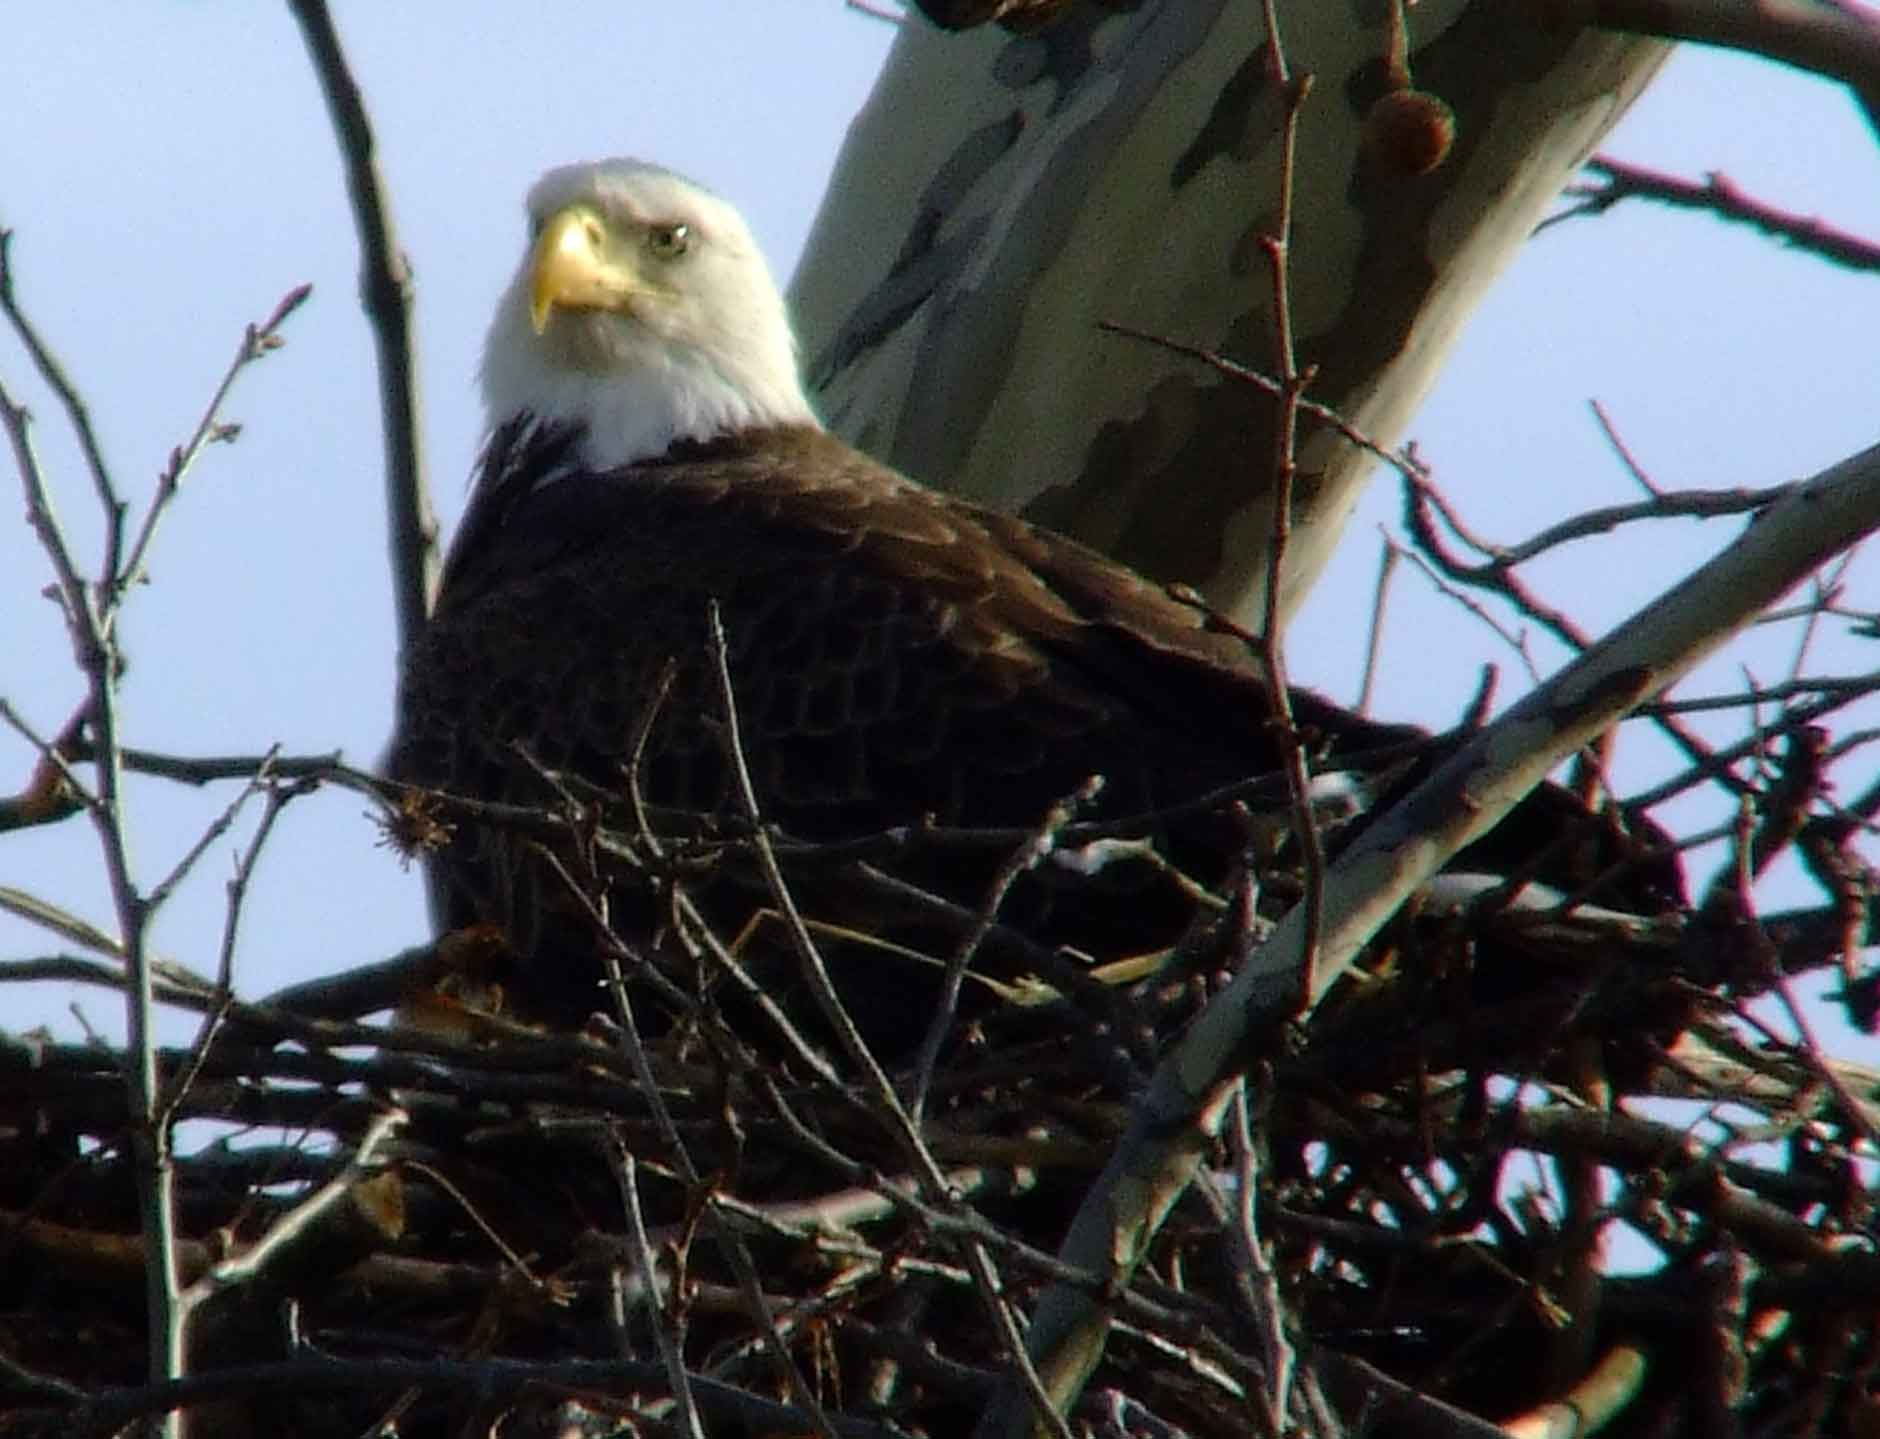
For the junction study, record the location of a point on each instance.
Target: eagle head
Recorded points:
(642, 314)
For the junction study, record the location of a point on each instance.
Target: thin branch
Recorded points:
(1719, 195)
(106, 1412)
(52, 372)
(1038, 1400)
(1026, 857)
(208, 769)
(1624, 451)
(256, 342)
(1840, 41)
(1601, 1395)
(248, 1266)
(1374, 642)
(385, 291)
(1826, 589)
(1293, 384)
(1516, 640)
(1421, 497)
(1266, 1308)
(1698, 504)
(736, 1252)
(1248, 375)
(88, 612)
(44, 519)
(1843, 687)
(224, 993)
(677, 1380)
(1695, 504)
(211, 832)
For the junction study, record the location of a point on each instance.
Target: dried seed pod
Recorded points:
(1410, 131)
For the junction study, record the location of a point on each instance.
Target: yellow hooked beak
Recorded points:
(574, 265)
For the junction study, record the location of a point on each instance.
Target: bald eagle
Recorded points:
(896, 656)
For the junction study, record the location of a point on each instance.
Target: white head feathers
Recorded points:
(644, 310)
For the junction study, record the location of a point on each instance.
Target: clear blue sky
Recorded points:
(169, 173)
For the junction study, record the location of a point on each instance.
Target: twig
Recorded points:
(1027, 856)
(1841, 687)
(698, 929)
(1293, 384)
(677, 1379)
(224, 994)
(211, 832)
(1516, 640)
(385, 291)
(900, 1125)
(1374, 643)
(53, 373)
(1267, 1310)
(1697, 504)
(1420, 497)
(106, 1412)
(44, 518)
(252, 1262)
(1623, 450)
(1718, 195)
(1826, 588)
(736, 1252)
(257, 341)
(1839, 41)
(1857, 1113)
(1715, 765)
(1247, 374)
(88, 618)
(207, 769)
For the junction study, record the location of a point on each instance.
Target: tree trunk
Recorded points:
(1001, 194)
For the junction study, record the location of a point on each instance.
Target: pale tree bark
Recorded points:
(1002, 194)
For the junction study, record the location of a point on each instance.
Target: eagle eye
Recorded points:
(669, 241)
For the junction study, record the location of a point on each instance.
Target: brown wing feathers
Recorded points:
(894, 653)
(874, 629)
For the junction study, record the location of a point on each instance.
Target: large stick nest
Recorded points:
(1520, 1160)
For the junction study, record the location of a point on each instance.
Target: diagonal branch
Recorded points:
(77, 413)
(1175, 1123)
(1839, 41)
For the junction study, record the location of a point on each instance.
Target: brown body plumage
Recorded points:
(896, 655)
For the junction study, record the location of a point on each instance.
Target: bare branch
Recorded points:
(1839, 41)
(257, 341)
(89, 611)
(1293, 385)
(676, 1377)
(1389, 553)
(77, 413)
(385, 291)
(1025, 857)
(1038, 1400)
(1720, 196)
